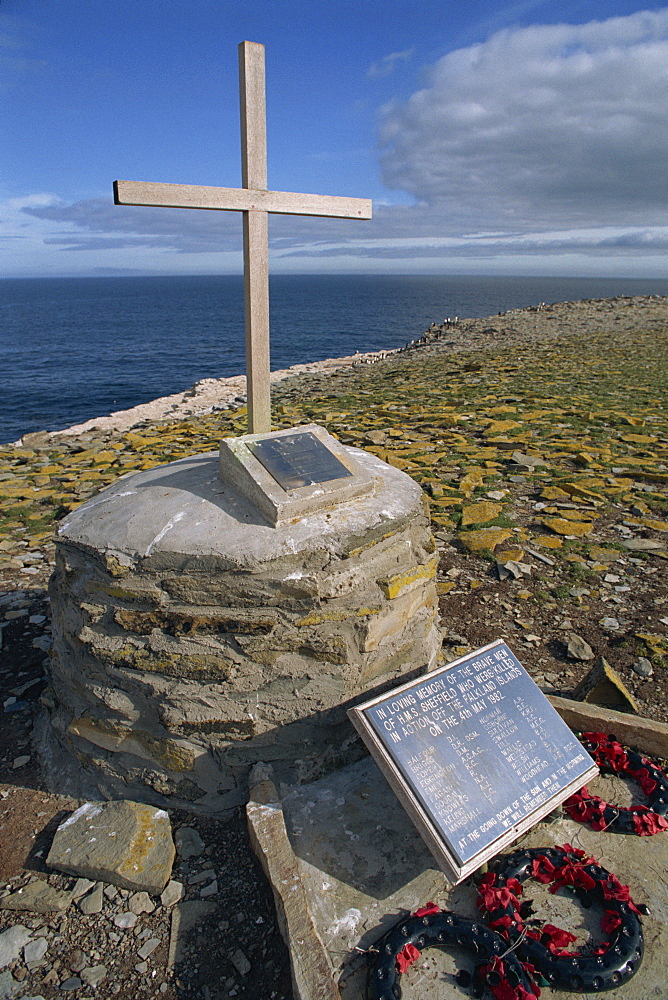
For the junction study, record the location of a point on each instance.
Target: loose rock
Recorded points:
(578, 649)
(92, 903)
(603, 686)
(93, 974)
(126, 843)
(240, 962)
(11, 943)
(148, 948)
(78, 960)
(643, 667)
(81, 886)
(68, 985)
(37, 897)
(188, 842)
(35, 950)
(172, 893)
(141, 902)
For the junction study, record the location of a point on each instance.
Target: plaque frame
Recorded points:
(452, 865)
(242, 470)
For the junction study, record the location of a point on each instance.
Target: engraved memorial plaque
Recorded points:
(475, 753)
(296, 460)
(294, 473)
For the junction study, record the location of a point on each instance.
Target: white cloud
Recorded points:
(399, 238)
(564, 124)
(387, 65)
(541, 150)
(97, 223)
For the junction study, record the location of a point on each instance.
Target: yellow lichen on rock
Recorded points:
(562, 526)
(480, 513)
(398, 584)
(484, 539)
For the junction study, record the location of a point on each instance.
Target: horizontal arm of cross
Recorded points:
(224, 199)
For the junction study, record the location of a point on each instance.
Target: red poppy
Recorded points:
(646, 824)
(491, 898)
(542, 869)
(572, 874)
(644, 779)
(405, 958)
(503, 923)
(569, 849)
(613, 889)
(586, 808)
(557, 939)
(610, 921)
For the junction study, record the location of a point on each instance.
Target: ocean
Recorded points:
(76, 348)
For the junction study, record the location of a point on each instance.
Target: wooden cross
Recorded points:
(255, 202)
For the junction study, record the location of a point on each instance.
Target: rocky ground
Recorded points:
(541, 439)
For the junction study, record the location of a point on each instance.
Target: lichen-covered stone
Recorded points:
(484, 539)
(399, 583)
(188, 647)
(111, 736)
(404, 609)
(564, 526)
(603, 686)
(480, 513)
(198, 666)
(181, 621)
(126, 843)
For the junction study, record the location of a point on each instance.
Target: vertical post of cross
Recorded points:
(256, 236)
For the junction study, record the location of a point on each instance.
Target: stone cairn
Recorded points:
(191, 640)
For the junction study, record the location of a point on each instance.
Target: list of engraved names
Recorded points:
(479, 746)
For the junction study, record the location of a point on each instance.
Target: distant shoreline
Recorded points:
(205, 396)
(529, 325)
(74, 350)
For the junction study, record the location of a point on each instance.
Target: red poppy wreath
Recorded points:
(613, 758)
(497, 970)
(543, 947)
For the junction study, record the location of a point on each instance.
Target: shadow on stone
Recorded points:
(198, 476)
(36, 858)
(350, 825)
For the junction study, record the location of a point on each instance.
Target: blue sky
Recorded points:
(517, 137)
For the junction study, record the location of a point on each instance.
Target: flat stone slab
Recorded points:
(37, 897)
(363, 867)
(11, 942)
(128, 844)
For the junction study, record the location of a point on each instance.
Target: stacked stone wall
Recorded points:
(172, 675)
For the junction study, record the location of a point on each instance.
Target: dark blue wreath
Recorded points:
(581, 973)
(443, 929)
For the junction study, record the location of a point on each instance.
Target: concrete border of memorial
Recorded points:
(290, 473)
(475, 753)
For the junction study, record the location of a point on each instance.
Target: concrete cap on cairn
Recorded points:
(165, 516)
